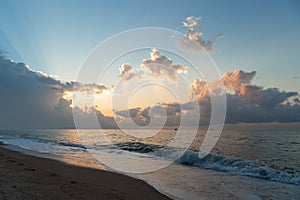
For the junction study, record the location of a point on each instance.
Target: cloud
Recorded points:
(88, 88)
(158, 66)
(160, 112)
(127, 72)
(235, 79)
(200, 89)
(139, 115)
(193, 39)
(231, 81)
(191, 22)
(265, 98)
(296, 100)
(249, 103)
(161, 66)
(134, 112)
(31, 99)
(239, 110)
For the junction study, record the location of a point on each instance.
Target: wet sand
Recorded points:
(29, 177)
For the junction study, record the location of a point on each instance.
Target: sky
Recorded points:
(56, 36)
(258, 47)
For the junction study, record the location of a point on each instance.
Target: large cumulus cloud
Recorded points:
(32, 99)
(248, 102)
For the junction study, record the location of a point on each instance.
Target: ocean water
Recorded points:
(264, 151)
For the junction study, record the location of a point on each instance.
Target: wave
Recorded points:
(232, 165)
(71, 145)
(138, 147)
(43, 145)
(239, 166)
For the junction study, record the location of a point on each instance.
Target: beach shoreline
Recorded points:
(30, 177)
(26, 174)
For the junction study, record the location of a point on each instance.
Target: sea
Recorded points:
(269, 151)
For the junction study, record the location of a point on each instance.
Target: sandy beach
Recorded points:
(29, 177)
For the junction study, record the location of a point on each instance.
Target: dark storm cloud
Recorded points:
(31, 99)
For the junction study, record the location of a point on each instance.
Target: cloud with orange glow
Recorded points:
(248, 103)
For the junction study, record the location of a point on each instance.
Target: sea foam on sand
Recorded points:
(179, 182)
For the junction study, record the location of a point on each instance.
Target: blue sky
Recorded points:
(56, 36)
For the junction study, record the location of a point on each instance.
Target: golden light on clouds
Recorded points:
(98, 100)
